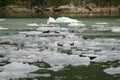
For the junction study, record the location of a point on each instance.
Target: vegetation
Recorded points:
(47, 3)
(23, 8)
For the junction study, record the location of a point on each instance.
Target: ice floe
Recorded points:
(76, 24)
(112, 70)
(51, 29)
(33, 24)
(64, 59)
(30, 33)
(2, 28)
(115, 29)
(16, 70)
(44, 33)
(101, 23)
(118, 19)
(51, 57)
(2, 19)
(105, 56)
(52, 46)
(57, 68)
(100, 26)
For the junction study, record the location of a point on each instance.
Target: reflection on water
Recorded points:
(84, 53)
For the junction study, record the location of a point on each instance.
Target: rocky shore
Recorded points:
(17, 11)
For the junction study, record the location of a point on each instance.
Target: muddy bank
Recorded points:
(15, 11)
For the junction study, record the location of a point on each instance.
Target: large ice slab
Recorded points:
(16, 70)
(53, 58)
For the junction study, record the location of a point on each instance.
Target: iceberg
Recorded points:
(51, 20)
(61, 20)
(65, 20)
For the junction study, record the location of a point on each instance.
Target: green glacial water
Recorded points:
(18, 48)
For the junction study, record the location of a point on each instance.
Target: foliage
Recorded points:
(47, 3)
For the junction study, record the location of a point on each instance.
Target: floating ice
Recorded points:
(73, 22)
(112, 70)
(30, 33)
(105, 56)
(63, 59)
(38, 75)
(65, 20)
(51, 29)
(101, 58)
(49, 25)
(33, 24)
(51, 20)
(102, 23)
(118, 19)
(53, 58)
(16, 70)
(44, 33)
(2, 19)
(101, 27)
(76, 24)
(57, 68)
(2, 28)
(115, 29)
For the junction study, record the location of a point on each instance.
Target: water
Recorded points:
(52, 61)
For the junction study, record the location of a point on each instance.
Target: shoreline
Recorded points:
(19, 12)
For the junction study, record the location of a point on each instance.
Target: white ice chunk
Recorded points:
(59, 60)
(30, 33)
(112, 70)
(2, 19)
(33, 24)
(101, 58)
(101, 23)
(16, 70)
(51, 29)
(65, 20)
(57, 68)
(2, 28)
(76, 24)
(51, 20)
(115, 29)
(105, 56)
